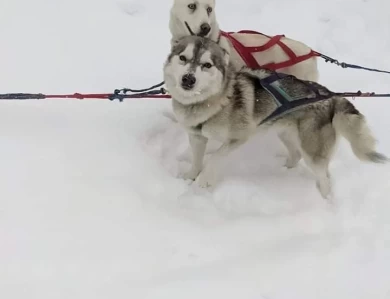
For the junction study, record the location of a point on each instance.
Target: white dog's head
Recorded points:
(195, 70)
(193, 17)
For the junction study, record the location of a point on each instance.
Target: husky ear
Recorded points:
(226, 49)
(226, 56)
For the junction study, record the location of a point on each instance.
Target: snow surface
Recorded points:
(90, 206)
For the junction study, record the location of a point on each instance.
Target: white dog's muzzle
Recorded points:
(204, 29)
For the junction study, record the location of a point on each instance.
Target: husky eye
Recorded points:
(192, 6)
(207, 65)
(209, 10)
(183, 58)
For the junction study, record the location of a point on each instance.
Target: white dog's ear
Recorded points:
(225, 48)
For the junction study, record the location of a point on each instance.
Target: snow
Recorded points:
(90, 206)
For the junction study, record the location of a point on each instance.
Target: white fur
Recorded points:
(188, 53)
(180, 13)
(306, 70)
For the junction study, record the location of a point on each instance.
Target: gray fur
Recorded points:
(377, 157)
(233, 113)
(200, 47)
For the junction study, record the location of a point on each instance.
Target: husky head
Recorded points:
(195, 70)
(194, 17)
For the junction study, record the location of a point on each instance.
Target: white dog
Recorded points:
(198, 17)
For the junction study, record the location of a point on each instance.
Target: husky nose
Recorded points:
(204, 29)
(188, 81)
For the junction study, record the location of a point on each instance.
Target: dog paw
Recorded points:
(291, 163)
(190, 175)
(206, 179)
(325, 189)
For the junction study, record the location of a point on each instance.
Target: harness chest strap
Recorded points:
(246, 53)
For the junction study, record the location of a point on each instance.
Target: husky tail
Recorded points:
(351, 124)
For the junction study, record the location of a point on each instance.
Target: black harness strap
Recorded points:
(285, 102)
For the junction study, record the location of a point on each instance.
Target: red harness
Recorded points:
(246, 52)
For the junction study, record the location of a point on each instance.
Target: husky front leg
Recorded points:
(208, 176)
(198, 146)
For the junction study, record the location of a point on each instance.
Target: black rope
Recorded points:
(348, 65)
(123, 96)
(126, 90)
(360, 94)
(22, 96)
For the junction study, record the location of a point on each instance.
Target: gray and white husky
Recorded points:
(198, 17)
(214, 101)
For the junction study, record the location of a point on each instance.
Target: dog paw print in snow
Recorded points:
(131, 8)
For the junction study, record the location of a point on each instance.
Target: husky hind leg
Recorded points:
(289, 139)
(318, 142)
(320, 169)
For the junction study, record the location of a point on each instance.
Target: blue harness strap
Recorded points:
(285, 102)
